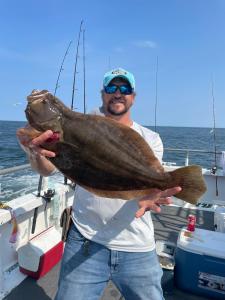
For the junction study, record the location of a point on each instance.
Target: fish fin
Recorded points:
(192, 182)
(125, 195)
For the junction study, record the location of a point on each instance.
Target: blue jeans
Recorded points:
(87, 267)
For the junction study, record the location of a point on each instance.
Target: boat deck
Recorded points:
(167, 226)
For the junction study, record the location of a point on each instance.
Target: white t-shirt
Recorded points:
(112, 222)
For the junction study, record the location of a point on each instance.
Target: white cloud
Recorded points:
(145, 44)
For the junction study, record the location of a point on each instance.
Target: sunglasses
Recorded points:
(124, 89)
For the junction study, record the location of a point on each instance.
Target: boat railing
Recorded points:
(181, 150)
(188, 151)
(11, 170)
(43, 182)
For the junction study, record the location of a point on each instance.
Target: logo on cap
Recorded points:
(119, 72)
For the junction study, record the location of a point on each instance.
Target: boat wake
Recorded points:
(21, 183)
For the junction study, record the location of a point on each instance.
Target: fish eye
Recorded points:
(44, 101)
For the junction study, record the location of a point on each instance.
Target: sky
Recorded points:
(186, 37)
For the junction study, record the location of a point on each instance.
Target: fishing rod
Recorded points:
(214, 169)
(75, 65)
(74, 77)
(41, 177)
(57, 82)
(84, 71)
(61, 67)
(156, 91)
(55, 90)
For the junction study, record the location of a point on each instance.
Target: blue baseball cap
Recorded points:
(121, 73)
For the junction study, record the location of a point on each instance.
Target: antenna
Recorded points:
(156, 91)
(75, 65)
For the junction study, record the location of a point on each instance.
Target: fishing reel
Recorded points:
(48, 195)
(213, 170)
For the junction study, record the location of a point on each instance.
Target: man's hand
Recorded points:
(31, 141)
(32, 144)
(155, 199)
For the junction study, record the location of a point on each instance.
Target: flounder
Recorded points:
(104, 156)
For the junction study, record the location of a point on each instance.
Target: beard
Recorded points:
(114, 111)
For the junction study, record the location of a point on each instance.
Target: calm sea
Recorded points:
(173, 137)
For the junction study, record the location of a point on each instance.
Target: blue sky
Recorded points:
(187, 36)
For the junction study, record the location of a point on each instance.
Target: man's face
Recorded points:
(117, 104)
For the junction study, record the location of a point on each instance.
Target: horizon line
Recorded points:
(185, 126)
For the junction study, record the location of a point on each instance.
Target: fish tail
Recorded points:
(191, 180)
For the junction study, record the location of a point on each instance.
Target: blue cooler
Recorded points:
(200, 263)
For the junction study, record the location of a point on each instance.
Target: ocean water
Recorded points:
(22, 182)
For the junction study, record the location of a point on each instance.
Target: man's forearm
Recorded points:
(41, 164)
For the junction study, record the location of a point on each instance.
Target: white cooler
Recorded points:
(41, 253)
(200, 263)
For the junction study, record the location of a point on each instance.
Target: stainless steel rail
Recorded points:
(191, 150)
(187, 151)
(14, 169)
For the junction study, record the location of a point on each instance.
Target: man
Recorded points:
(109, 238)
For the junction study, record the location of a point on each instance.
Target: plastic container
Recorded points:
(41, 253)
(200, 263)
